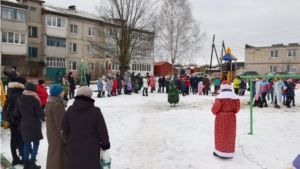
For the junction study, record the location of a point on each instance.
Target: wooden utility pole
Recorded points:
(213, 48)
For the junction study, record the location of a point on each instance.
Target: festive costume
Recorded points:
(226, 105)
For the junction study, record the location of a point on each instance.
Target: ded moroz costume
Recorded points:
(226, 105)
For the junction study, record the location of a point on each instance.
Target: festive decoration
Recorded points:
(173, 96)
(82, 74)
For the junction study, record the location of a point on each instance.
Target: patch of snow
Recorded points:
(148, 133)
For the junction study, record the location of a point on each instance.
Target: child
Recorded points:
(136, 86)
(183, 87)
(243, 87)
(129, 86)
(115, 86)
(145, 86)
(200, 88)
(66, 90)
(104, 84)
(100, 88)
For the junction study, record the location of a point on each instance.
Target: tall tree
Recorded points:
(127, 27)
(178, 34)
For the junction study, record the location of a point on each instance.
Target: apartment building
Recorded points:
(14, 38)
(55, 39)
(274, 58)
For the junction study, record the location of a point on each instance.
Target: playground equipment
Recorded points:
(228, 68)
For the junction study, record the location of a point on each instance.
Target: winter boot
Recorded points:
(17, 161)
(108, 95)
(26, 165)
(32, 165)
(146, 94)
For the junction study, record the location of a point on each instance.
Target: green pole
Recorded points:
(251, 106)
(82, 74)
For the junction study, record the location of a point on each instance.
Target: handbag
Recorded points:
(256, 97)
(105, 159)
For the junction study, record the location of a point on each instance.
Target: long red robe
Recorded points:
(225, 125)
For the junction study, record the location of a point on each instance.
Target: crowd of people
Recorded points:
(274, 89)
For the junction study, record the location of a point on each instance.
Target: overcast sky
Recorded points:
(237, 22)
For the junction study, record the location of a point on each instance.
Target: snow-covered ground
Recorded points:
(147, 133)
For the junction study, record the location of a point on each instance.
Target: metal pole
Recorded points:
(251, 107)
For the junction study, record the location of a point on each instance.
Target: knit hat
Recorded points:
(19, 79)
(84, 91)
(55, 89)
(30, 87)
(14, 67)
(289, 80)
(225, 85)
(41, 82)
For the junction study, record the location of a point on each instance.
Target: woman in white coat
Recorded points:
(277, 96)
(104, 85)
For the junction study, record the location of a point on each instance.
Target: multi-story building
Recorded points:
(58, 39)
(14, 33)
(275, 58)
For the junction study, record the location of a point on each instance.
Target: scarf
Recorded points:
(30, 93)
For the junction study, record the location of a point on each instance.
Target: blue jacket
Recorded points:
(183, 86)
(99, 85)
(167, 83)
(243, 85)
(217, 81)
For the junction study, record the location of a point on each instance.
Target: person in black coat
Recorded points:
(159, 84)
(16, 87)
(28, 106)
(178, 85)
(10, 74)
(290, 93)
(88, 78)
(85, 126)
(163, 83)
(119, 79)
(72, 85)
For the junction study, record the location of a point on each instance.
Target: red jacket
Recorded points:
(43, 94)
(187, 81)
(115, 85)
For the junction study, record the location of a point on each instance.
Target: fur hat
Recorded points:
(30, 87)
(225, 85)
(84, 91)
(41, 82)
(55, 89)
(19, 79)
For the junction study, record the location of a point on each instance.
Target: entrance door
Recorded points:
(51, 71)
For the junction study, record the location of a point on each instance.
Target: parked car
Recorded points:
(200, 74)
(246, 73)
(276, 73)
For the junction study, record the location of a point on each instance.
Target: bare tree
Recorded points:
(128, 26)
(178, 33)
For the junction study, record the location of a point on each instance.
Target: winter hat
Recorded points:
(289, 80)
(19, 79)
(30, 87)
(225, 85)
(84, 91)
(41, 82)
(55, 89)
(14, 67)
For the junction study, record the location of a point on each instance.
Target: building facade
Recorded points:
(59, 39)
(275, 58)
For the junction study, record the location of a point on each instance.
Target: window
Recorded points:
(73, 29)
(142, 37)
(133, 67)
(33, 52)
(73, 47)
(149, 38)
(13, 13)
(115, 66)
(108, 31)
(90, 65)
(72, 66)
(273, 69)
(292, 69)
(32, 31)
(15, 38)
(148, 67)
(111, 48)
(55, 62)
(32, 8)
(56, 21)
(134, 35)
(56, 42)
(148, 53)
(274, 54)
(91, 49)
(292, 53)
(91, 32)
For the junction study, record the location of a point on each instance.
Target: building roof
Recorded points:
(160, 63)
(67, 11)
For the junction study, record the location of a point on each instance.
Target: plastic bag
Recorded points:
(105, 159)
(256, 97)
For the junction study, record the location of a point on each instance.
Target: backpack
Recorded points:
(8, 109)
